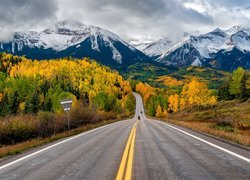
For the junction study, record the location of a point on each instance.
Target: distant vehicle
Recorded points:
(141, 112)
(139, 117)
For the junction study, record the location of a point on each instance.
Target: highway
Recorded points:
(142, 149)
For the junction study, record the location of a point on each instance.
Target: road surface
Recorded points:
(135, 149)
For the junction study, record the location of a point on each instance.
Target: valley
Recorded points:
(123, 89)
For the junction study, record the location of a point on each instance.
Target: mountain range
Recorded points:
(219, 49)
(71, 38)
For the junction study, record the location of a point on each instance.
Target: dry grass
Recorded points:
(228, 119)
(20, 147)
(240, 137)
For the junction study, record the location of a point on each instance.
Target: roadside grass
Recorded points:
(24, 146)
(228, 119)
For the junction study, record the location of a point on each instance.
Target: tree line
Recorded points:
(30, 94)
(237, 87)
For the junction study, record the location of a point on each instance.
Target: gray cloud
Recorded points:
(131, 19)
(24, 14)
(135, 19)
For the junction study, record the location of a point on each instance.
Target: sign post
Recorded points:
(66, 105)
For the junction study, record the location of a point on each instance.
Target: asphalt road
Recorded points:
(159, 151)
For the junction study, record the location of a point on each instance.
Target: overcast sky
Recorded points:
(130, 19)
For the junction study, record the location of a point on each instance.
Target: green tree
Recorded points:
(4, 105)
(151, 106)
(223, 93)
(130, 103)
(32, 105)
(48, 104)
(105, 102)
(235, 84)
(245, 86)
(14, 102)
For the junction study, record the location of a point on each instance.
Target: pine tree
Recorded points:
(245, 84)
(48, 104)
(14, 102)
(32, 105)
(4, 105)
(223, 93)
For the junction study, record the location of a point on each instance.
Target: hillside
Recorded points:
(30, 94)
(227, 119)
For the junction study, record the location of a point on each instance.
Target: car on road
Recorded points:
(139, 117)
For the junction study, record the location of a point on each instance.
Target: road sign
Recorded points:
(66, 105)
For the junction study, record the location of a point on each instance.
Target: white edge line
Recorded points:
(42, 150)
(211, 144)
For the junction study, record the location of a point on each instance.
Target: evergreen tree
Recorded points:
(245, 84)
(14, 102)
(223, 93)
(48, 104)
(32, 105)
(4, 105)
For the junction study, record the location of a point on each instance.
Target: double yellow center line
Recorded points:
(125, 169)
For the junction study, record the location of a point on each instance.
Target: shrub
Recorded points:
(17, 129)
(46, 124)
(101, 116)
(81, 114)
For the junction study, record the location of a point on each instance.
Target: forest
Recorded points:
(30, 94)
(31, 90)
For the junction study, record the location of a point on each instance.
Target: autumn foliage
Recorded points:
(160, 103)
(30, 94)
(44, 83)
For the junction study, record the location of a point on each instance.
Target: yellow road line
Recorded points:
(127, 158)
(128, 173)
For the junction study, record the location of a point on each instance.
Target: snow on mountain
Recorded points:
(241, 40)
(66, 34)
(156, 48)
(162, 46)
(196, 50)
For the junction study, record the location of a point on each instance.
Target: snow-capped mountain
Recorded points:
(155, 49)
(222, 49)
(71, 38)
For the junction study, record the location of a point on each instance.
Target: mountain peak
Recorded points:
(69, 23)
(73, 38)
(217, 30)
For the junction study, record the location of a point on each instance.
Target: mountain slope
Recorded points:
(220, 49)
(71, 38)
(155, 49)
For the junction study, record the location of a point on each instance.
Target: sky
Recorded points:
(133, 20)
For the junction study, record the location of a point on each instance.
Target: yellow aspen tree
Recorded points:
(165, 113)
(173, 103)
(183, 103)
(159, 111)
(197, 93)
